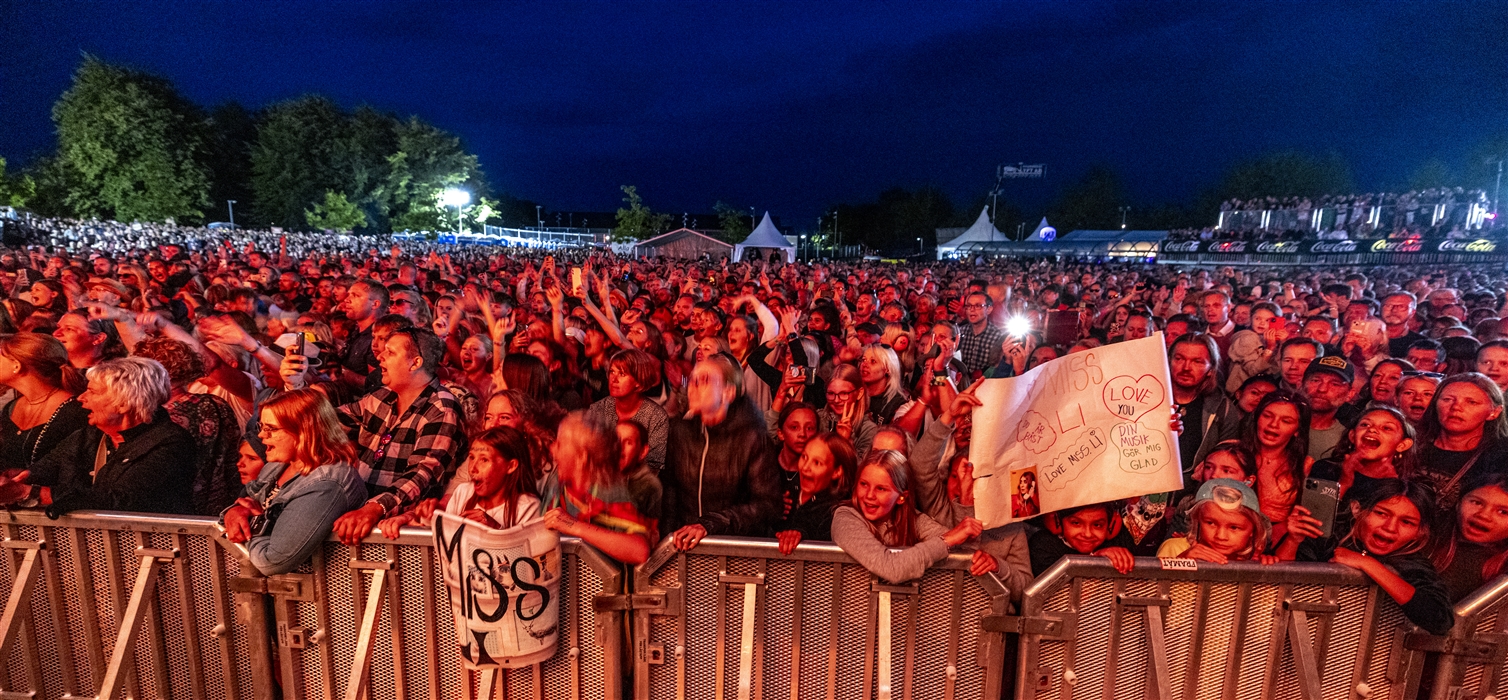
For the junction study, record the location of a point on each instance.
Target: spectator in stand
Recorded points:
(129, 457)
(1294, 358)
(882, 530)
(630, 374)
(408, 433)
(720, 477)
(1462, 433)
(1327, 386)
(1426, 355)
(979, 343)
(207, 418)
(1492, 360)
(307, 483)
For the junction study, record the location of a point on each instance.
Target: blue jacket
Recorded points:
(302, 514)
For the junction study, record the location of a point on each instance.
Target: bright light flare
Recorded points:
(1017, 326)
(454, 197)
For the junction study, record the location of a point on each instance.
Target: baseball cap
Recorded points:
(1228, 494)
(1334, 364)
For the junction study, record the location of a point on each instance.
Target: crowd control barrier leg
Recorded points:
(735, 619)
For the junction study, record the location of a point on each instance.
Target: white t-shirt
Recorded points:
(527, 508)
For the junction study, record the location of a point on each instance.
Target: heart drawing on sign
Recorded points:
(1130, 399)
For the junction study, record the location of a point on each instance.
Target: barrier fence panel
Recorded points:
(735, 619)
(1242, 630)
(120, 604)
(1473, 659)
(381, 612)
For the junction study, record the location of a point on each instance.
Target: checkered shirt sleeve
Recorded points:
(403, 457)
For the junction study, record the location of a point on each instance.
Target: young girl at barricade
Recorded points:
(1377, 450)
(827, 463)
(1094, 529)
(1474, 548)
(500, 492)
(1277, 436)
(1225, 525)
(881, 529)
(593, 503)
(1386, 542)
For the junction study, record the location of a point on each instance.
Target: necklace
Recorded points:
(42, 400)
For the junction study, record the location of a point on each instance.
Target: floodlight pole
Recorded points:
(231, 203)
(1496, 189)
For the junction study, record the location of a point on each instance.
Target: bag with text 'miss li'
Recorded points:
(504, 590)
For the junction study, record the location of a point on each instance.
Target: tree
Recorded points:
(896, 219)
(130, 146)
(15, 190)
(232, 130)
(426, 160)
(336, 213)
(1287, 174)
(292, 159)
(1091, 202)
(736, 225)
(637, 222)
(1431, 174)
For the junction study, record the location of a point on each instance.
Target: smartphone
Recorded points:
(298, 344)
(1321, 497)
(576, 282)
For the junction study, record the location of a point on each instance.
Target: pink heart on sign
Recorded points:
(1130, 399)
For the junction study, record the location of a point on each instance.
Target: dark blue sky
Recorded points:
(791, 107)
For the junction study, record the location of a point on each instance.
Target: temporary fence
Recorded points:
(123, 605)
(1241, 630)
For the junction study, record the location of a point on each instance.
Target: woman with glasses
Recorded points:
(845, 413)
(307, 483)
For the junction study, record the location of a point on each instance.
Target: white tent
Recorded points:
(981, 232)
(765, 235)
(1043, 233)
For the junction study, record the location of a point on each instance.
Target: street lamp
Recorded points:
(231, 205)
(803, 245)
(456, 197)
(1123, 217)
(919, 248)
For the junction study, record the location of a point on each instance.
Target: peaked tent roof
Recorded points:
(765, 235)
(679, 233)
(1039, 234)
(981, 232)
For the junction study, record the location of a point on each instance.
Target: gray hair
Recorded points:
(140, 386)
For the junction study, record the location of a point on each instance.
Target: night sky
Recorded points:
(792, 107)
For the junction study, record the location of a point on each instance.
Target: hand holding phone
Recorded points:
(1321, 498)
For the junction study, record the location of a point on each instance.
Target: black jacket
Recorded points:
(1429, 608)
(723, 478)
(152, 471)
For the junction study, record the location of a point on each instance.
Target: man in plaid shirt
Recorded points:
(979, 344)
(407, 433)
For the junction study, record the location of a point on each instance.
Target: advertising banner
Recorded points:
(1085, 428)
(504, 590)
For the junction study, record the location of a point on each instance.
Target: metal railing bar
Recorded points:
(59, 609)
(395, 624)
(189, 617)
(125, 640)
(361, 665)
(118, 592)
(321, 636)
(156, 637)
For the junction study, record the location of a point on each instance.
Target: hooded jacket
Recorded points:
(722, 477)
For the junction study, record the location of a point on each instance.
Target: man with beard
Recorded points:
(1192, 362)
(1327, 386)
(1294, 358)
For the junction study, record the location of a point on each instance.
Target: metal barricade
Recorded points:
(113, 604)
(1242, 630)
(378, 617)
(734, 618)
(1473, 659)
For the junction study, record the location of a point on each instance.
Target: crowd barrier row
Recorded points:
(114, 605)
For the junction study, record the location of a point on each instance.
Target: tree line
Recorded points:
(131, 148)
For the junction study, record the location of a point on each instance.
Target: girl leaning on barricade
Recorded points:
(1471, 548)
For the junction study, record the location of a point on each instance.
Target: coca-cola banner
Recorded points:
(1479, 246)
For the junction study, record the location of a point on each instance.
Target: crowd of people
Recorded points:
(296, 388)
(1443, 212)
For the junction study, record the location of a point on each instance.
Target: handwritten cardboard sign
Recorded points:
(504, 590)
(1085, 428)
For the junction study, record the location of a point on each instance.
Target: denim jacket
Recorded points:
(302, 514)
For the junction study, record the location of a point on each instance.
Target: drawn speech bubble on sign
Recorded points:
(1130, 399)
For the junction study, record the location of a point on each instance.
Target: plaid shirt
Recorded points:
(404, 458)
(979, 351)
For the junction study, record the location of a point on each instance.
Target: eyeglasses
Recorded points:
(974, 306)
(1410, 374)
(266, 431)
(839, 395)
